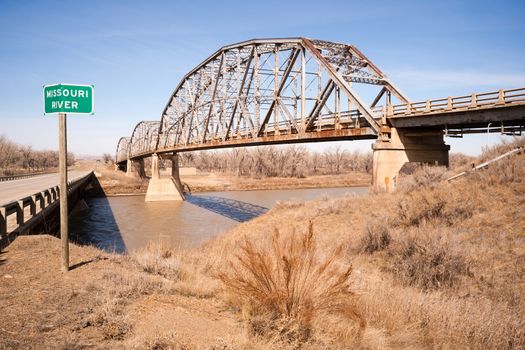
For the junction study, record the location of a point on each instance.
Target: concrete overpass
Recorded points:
(294, 90)
(30, 205)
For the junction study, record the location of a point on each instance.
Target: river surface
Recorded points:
(126, 223)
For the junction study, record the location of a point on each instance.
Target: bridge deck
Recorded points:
(474, 111)
(17, 189)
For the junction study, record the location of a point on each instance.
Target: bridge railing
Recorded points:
(494, 98)
(326, 121)
(17, 209)
(23, 176)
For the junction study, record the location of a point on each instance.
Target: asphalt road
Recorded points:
(18, 189)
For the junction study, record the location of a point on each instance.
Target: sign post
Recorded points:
(62, 164)
(62, 99)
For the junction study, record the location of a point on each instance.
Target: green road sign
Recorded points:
(68, 98)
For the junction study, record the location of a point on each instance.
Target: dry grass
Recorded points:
(416, 319)
(119, 288)
(113, 181)
(284, 283)
(168, 341)
(437, 265)
(504, 146)
(436, 204)
(159, 259)
(425, 258)
(453, 258)
(421, 177)
(376, 238)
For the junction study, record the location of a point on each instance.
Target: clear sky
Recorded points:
(136, 52)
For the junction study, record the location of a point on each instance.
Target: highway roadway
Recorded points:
(17, 189)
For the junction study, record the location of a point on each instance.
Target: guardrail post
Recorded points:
(47, 196)
(449, 102)
(427, 106)
(20, 213)
(501, 96)
(390, 110)
(42, 201)
(474, 100)
(3, 222)
(32, 205)
(409, 108)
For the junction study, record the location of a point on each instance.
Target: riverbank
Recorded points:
(220, 182)
(434, 265)
(114, 182)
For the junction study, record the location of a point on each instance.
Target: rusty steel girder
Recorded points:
(123, 149)
(265, 91)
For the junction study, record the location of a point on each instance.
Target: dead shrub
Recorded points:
(116, 328)
(281, 328)
(110, 319)
(459, 160)
(420, 176)
(505, 172)
(168, 341)
(425, 259)
(126, 285)
(504, 146)
(159, 259)
(417, 208)
(376, 238)
(291, 204)
(289, 282)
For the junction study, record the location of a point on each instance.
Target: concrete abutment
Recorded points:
(164, 189)
(135, 168)
(406, 146)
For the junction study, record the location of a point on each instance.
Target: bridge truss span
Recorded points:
(292, 90)
(267, 91)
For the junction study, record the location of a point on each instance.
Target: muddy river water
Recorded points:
(125, 223)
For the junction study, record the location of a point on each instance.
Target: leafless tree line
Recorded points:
(16, 158)
(283, 161)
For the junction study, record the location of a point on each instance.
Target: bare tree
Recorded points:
(15, 158)
(108, 158)
(284, 161)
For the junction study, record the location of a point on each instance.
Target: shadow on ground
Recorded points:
(2, 259)
(230, 208)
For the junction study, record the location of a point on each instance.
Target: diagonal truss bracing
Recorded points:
(264, 89)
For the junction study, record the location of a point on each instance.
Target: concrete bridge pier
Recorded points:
(164, 189)
(135, 168)
(406, 146)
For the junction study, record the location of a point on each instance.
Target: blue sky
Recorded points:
(135, 53)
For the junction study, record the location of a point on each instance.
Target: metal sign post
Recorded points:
(62, 99)
(62, 160)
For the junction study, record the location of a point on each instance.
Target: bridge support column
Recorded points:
(135, 168)
(175, 172)
(164, 189)
(406, 146)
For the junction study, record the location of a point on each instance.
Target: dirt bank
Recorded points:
(435, 265)
(105, 302)
(114, 182)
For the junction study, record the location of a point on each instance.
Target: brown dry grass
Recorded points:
(437, 265)
(113, 182)
(425, 258)
(283, 283)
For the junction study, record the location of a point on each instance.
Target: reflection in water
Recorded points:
(231, 208)
(123, 224)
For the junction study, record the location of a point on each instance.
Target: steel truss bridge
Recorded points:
(275, 91)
